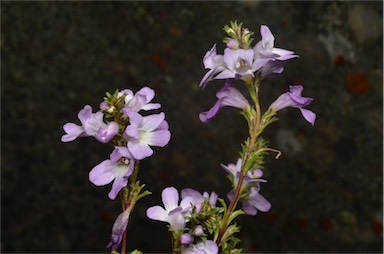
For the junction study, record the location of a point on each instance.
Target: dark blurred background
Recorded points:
(326, 189)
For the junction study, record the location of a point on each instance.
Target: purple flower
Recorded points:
(139, 101)
(198, 198)
(117, 169)
(239, 64)
(107, 132)
(118, 229)
(207, 247)
(253, 202)
(186, 238)
(252, 177)
(90, 124)
(271, 58)
(228, 96)
(213, 62)
(265, 48)
(198, 231)
(144, 132)
(173, 212)
(293, 99)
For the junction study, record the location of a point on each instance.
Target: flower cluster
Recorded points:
(200, 223)
(119, 123)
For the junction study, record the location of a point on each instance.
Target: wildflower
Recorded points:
(228, 96)
(90, 124)
(117, 169)
(118, 229)
(107, 131)
(207, 247)
(146, 131)
(239, 64)
(198, 198)
(253, 201)
(213, 62)
(266, 48)
(139, 101)
(294, 99)
(198, 231)
(173, 212)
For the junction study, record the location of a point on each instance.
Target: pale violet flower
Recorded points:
(214, 62)
(139, 101)
(239, 64)
(118, 229)
(198, 198)
(253, 201)
(207, 247)
(146, 131)
(90, 124)
(294, 99)
(173, 213)
(253, 176)
(228, 96)
(266, 47)
(272, 58)
(117, 169)
(106, 132)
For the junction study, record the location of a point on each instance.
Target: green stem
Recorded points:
(254, 133)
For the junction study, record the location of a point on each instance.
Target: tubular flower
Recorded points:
(228, 96)
(118, 229)
(239, 64)
(139, 101)
(214, 62)
(90, 124)
(144, 132)
(294, 99)
(117, 169)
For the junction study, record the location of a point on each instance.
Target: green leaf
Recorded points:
(234, 215)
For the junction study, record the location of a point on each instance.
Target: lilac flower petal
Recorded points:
(72, 132)
(151, 106)
(208, 115)
(139, 150)
(248, 208)
(259, 202)
(84, 114)
(157, 213)
(188, 192)
(308, 115)
(118, 184)
(211, 247)
(132, 131)
(213, 199)
(151, 122)
(268, 39)
(186, 203)
(176, 219)
(93, 123)
(101, 174)
(107, 132)
(170, 197)
(157, 138)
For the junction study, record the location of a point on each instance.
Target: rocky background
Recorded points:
(326, 189)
